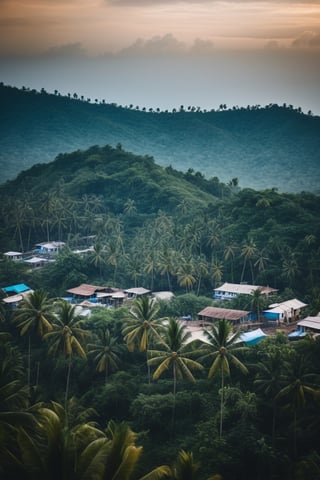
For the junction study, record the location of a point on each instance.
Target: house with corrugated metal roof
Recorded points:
(212, 314)
(104, 295)
(48, 248)
(13, 255)
(288, 311)
(229, 291)
(15, 293)
(309, 324)
(136, 292)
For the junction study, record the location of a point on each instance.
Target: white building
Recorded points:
(228, 291)
(13, 255)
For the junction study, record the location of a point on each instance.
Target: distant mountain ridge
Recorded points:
(271, 147)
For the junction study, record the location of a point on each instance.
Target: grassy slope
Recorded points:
(264, 148)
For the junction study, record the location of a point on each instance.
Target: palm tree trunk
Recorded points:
(67, 390)
(174, 399)
(29, 361)
(221, 403)
(295, 434)
(274, 424)
(38, 373)
(243, 270)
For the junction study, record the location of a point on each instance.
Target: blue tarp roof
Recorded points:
(253, 337)
(19, 288)
(297, 333)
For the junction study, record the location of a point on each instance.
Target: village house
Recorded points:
(97, 294)
(309, 324)
(13, 256)
(288, 311)
(137, 292)
(229, 291)
(48, 248)
(213, 314)
(15, 293)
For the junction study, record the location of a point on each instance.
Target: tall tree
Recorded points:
(67, 337)
(34, 315)
(248, 253)
(222, 348)
(175, 354)
(299, 383)
(142, 326)
(105, 352)
(268, 382)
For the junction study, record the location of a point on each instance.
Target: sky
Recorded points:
(166, 53)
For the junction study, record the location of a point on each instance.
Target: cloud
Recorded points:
(157, 45)
(74, 50)
(307, 39)
(167, 45)
(202, 47)
(272, 45)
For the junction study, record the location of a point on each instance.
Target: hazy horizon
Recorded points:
(161, 54)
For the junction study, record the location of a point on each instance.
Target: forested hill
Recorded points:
(116, 176)
(136, 212)
(263, 147)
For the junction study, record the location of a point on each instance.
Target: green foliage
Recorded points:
(37, 127)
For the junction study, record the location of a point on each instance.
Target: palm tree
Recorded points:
(105, 352)
(142, 325)
(257, 301)
(299, 383)
(222, 348)
(130, 207)
(14, 404)
(166, 263)
(98, 257)
(122, 455)
(185, 275)
(67, 337)
(229, 253)
(184, 468)
(201, 270)
(34, 315)
(175, 355)
(268, 381)
(217, 271)
(248, 252)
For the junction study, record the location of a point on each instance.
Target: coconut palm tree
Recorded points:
(217, 271)
(248, 252)
(98, 257)
(222, 348)
(176, 348)
(186, 274)
(268, 381)
(122, 455)
(67, 337)
(105, 352)
(14, 404)
(257, 302)
(34, 315)
(299, 384)
(185, 468)
(142, 325)
(176, 355)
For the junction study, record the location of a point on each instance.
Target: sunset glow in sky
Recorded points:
(109, 25)
(134, 37)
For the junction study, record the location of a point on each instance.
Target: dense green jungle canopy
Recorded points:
(265, 147)
(73, 391)
(157, 227)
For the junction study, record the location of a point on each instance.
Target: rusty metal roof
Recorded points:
(223, 313)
